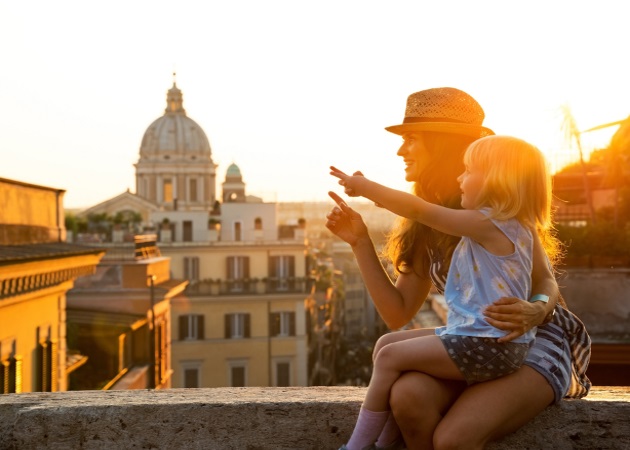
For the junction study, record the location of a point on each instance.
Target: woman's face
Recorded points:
(415, 155)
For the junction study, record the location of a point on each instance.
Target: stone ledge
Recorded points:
(265, 418)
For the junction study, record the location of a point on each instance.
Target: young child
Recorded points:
(506, 196)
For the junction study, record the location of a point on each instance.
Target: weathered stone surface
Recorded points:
(264, 418)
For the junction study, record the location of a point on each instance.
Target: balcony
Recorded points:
(250, 286)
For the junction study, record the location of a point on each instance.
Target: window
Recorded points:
(237, 272)
(282, 324)
(192, 190)
(191, 268)
(10, 368)
(191, 377)
(191, 327)
(47, 361)
(282, 272)
(191, 373)
(283, 374)
(237, 326)
(237, 231)
(237, 376)
(167, 190)
(187, 230)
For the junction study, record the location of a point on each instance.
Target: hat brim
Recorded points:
(441, 127)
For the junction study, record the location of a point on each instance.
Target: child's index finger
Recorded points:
(336, 172)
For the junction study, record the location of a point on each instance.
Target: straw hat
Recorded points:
(445, 110)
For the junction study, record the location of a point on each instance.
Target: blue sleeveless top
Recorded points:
(476, 278)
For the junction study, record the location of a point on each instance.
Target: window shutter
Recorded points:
(195, 269)
(200, 327)
(228, 326)
(247, 326)
(273, 272)
(230, 267)
(53, 359)
(274, 324)
(183, 327)
(291, 266)
(43, 371)
(273, 266)
(4, 376)
(245, 266)
(291, 272)
(186, 268)
(15, 375)
(291, 324)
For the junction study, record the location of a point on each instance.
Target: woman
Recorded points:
(439, 125)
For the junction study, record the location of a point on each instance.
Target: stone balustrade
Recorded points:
(265, 418)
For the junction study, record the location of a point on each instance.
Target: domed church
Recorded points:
(175, 170)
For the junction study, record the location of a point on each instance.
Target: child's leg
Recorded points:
(422, 354)
(402, 335)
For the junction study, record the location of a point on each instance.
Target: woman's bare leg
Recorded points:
(418, 402)
(487, 411)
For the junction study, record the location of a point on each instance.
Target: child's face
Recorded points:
(470, 182)
(415, 155)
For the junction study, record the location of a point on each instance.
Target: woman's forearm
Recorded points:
(395, 306)
(550, 289)
(543, 283)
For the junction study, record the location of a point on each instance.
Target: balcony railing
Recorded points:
(250, 286)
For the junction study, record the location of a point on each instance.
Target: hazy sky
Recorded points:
(286, 88)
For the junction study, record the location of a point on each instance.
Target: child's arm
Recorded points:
(457, 222)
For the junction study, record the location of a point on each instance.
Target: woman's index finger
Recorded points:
(338, 200)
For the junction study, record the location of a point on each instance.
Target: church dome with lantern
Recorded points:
(233, 186)
(175, 169)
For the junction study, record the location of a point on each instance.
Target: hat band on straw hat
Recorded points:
(430, 119)
(441, 126)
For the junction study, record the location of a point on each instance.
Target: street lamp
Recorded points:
(154, 372)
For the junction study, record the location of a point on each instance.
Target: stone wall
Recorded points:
(264, 418)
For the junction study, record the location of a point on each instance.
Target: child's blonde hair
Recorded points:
(517, 184)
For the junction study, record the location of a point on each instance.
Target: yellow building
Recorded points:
(120, 317)
(242, 321)
(37, 268)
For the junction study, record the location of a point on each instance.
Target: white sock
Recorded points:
(368, 428)
(390, 432)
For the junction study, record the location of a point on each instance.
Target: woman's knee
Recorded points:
(411, 397)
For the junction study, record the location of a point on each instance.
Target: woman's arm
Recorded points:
(396, 303)
(517, 316)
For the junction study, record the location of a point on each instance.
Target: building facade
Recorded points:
(242, 319)
(37, 268)
(121, 318)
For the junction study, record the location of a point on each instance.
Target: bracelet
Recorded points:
(549, 317)
(539, 298)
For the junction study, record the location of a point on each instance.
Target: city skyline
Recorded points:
(286, 89)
